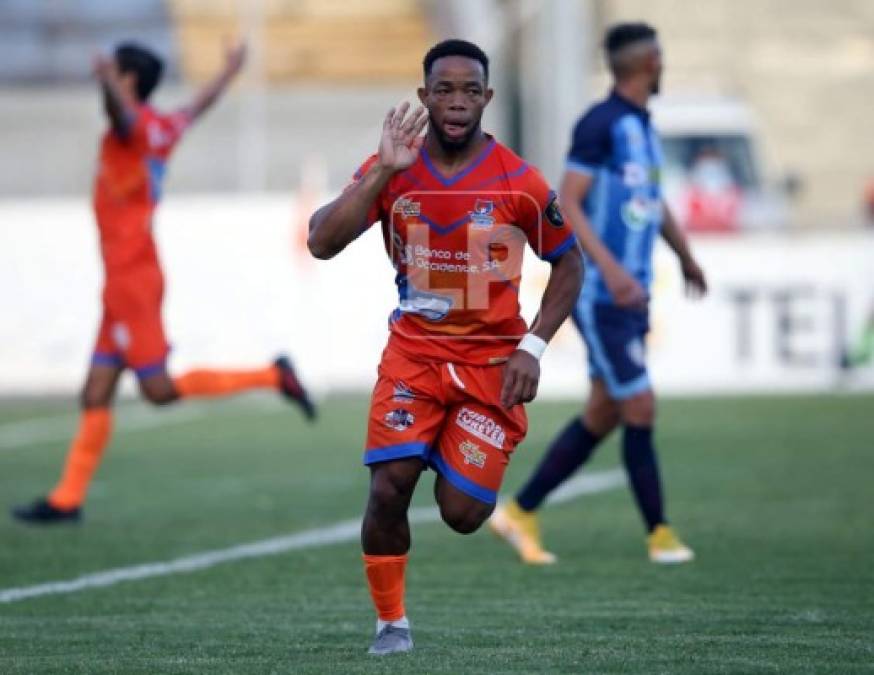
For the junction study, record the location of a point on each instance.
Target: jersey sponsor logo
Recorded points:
(472, 454)
(634, 174)
(553, 213)
(403, 393)
(407, 207)
(431, 306)
(399, 419)
(639, 212)
(481, 216)
(482, 426)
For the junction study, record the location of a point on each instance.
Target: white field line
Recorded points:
(341, 532)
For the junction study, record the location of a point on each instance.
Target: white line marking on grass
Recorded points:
(344, 531)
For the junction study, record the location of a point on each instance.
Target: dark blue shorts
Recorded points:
(615, 340)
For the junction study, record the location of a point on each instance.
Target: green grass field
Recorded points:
(775, 494)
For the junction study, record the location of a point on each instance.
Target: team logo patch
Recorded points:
(635, 213)
(407, 207)
(472, 454)
(636, 352)
(481, 216)
(403, 393)
(120, 336)
(553, 213)
(482, 426)
(400, 419)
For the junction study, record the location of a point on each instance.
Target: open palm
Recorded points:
(401, 140)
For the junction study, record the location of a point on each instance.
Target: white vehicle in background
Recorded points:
(713, 174)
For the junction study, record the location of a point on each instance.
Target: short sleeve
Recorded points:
(375, 212)
(590, 145)
(540, 218)
(158, 134)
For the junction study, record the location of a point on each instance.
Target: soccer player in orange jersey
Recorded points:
(457, 209)
(133, 156)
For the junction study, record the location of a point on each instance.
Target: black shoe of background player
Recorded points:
(41, 512)
(292, 388)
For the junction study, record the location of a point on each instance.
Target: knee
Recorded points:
(158, 393)
(639, 410)
(464, 520)
(388, 496)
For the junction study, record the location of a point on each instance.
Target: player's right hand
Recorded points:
(625, 290)
(401, 137)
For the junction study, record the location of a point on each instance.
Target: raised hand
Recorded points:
(235, 57)
(401, 137)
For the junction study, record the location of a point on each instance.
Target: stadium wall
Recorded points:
(242, 287)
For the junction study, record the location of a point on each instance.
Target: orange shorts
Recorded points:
(131, 332)
(449, 416)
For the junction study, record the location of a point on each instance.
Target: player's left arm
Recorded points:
(235, 57)
(696, 282)
(522, 372)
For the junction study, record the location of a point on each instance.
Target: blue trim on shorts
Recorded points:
(399, 451)
(151, 369)
(463, 483)
(585, 319)
(107, 359)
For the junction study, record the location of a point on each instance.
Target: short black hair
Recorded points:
(623, 34)
(455, 48)
(145, 64)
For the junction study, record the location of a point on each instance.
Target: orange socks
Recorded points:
(83, 458)
(224, 382)
(385, 576)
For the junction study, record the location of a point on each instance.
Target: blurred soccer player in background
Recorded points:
(611, 194)
(133, 156)
(456, 208)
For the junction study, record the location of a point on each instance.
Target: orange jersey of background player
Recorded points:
(127, 189)
(457, 244)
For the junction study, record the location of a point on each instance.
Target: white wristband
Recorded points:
(533, 345)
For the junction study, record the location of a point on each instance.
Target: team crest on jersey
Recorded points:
(399, 419)
(635, 213)
(403, 393)
(472, 454)
(407, 207)
(482, 426)
(481, 216)
(553, 213)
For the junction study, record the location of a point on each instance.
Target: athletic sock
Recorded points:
(385, 578)
(200, 383)
(83, 458)
(642, 467)
(570, 449)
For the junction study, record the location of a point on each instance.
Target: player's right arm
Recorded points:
(338, 223)
(121, 110)
(625, 290)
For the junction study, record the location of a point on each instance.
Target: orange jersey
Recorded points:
(127, 189)
(457, 244)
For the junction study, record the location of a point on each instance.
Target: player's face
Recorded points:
(128, 80)
(455, 94)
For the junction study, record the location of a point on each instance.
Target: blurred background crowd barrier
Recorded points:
(765, 119)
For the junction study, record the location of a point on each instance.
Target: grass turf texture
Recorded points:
(773, 493)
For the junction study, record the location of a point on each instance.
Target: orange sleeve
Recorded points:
(541, 219)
